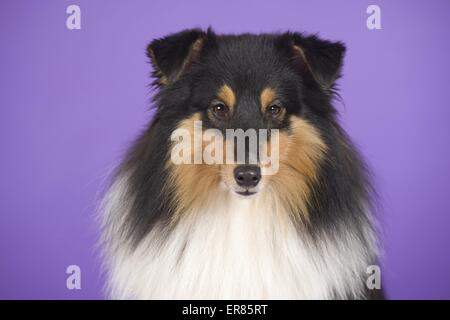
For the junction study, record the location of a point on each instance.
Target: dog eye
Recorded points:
(274, 109)
(219, 109)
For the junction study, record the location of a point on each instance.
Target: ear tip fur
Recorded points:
(168, 55)
(156, 43)
(152, 47)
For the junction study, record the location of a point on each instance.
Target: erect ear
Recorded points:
(321, 58)
(174, 54)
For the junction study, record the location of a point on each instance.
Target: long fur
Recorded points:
(225, 247)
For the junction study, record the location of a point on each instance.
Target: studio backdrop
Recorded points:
(75, 92)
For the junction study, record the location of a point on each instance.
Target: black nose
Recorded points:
(247, 176)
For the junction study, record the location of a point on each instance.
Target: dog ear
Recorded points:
(321, 58)
(173, 55)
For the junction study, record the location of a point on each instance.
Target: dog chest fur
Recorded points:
(235, 248)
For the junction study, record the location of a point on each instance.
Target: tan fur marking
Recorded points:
(193, 183)
(192, 57)
(301, 54)
(299, 51)
(162, 79)
(300, 152)
(227, 96)
(268, 95)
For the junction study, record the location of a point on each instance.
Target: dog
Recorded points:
(230, 230)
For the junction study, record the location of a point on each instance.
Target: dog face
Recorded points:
(273, 82)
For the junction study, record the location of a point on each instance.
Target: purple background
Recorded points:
(72, 100)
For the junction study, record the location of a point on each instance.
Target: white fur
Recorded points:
(231, 248)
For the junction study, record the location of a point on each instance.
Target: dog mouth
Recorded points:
(246, 193)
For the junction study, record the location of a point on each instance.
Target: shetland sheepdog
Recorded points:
(197, 229)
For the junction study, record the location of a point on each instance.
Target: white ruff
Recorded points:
(232, 249)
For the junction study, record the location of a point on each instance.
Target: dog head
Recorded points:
(277, 84)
